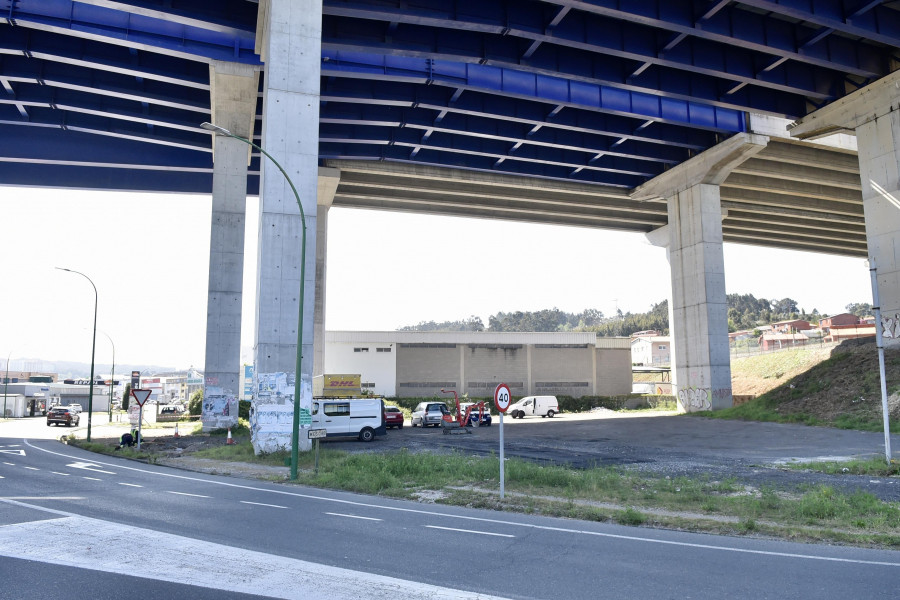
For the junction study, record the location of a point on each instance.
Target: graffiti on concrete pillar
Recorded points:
(694, 399)
(890, 327)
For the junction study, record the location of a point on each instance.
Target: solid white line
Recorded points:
(353, 516)
(92, 478)
(32, 468)
(261, 504)
(186, 494)
(470, 531)
(131, 484)
(58, 473)
(160, 556)
(631, 538)
(42, 498)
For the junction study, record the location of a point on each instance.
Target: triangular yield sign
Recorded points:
(141, 395)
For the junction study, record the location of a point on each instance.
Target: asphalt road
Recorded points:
(101, 519)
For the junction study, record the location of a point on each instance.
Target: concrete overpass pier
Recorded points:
(698, 314)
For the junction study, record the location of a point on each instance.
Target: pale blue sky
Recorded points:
(148, 256)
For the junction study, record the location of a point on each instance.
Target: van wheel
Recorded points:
(366, 435)
(550, 413)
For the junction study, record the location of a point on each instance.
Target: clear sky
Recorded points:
(148, 255)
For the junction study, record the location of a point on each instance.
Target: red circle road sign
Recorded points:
(502, 397)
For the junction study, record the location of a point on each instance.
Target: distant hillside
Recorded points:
(79, 370)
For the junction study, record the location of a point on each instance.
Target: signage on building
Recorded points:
(135, 379)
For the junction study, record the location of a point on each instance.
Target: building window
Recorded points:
(662, 347)
(382, 349)
(360, 349)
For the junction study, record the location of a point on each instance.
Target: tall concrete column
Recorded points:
(233, 90)
(872, 113)
(289, 34)
(698, 315)
(328, 182)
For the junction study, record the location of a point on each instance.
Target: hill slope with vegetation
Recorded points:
(837, 388)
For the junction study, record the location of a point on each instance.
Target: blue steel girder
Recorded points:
(195, 32)
(473, 161)
(736, 26)
(89, 54)
(432, 23)
(481, 147)
(867, 20)
(425, 119)
(533, 86)
(336, 130)
(102, 85)
(538, 115)
(573, 64)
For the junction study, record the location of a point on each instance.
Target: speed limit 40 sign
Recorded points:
(502, 397)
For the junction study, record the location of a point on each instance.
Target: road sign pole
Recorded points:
(140, 421)
(502, 474)
(502, 400)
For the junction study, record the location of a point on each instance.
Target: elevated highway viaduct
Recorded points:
(762, 122)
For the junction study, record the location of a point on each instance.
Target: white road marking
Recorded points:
(261, 504)
(32, 468)
(91, 478)
(10, 464)
(42, 498)
(160, 556)
(19, 452)
(58, 473)
(534, 526)
(470, 531)
(89, 467)
(131, 484)
(2, 477)
(186, 494)
(353, 516)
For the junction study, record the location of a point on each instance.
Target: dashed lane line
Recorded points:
(262, 504)
(506, 535)
(353, 516)
(186, 494)
(131, 484)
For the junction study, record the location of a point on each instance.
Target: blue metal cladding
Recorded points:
(500, 80)
(172, 32)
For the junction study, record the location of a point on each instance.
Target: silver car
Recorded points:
(429, 413)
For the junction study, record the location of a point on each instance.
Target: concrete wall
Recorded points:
(423, 369)
(557, 369)
(487, 365)
(614, 375)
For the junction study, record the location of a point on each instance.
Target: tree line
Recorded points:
(745, 311)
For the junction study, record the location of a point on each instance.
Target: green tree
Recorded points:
(195, 404)
(860, 309)
(126, 397)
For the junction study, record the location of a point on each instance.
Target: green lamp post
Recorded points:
(295, 432)
(93, 349)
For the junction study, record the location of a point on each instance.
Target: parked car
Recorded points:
(543, 406)
(76, 408)
(393, 417)
(429, 413)
(62, 415)
(485, 416)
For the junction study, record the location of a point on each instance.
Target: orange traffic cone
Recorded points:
(230, 440)
(176, 430)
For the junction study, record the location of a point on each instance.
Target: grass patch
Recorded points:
(876, 467)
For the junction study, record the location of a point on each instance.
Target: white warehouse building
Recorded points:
(419, 363)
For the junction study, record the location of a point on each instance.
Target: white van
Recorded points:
(349, 417)
(543, 406)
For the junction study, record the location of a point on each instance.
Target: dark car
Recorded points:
(476, 418)
(64, 416)
(393, 417)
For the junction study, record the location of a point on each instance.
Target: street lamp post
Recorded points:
(6, 383)
(112, 376)
(295, 432)
(93, 349)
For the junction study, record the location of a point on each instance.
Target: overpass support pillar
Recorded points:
(289, 42)
(328, 182)
(233, 88)
(698, 315)
(873, 113)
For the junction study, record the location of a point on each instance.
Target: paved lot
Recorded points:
(664, 444)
